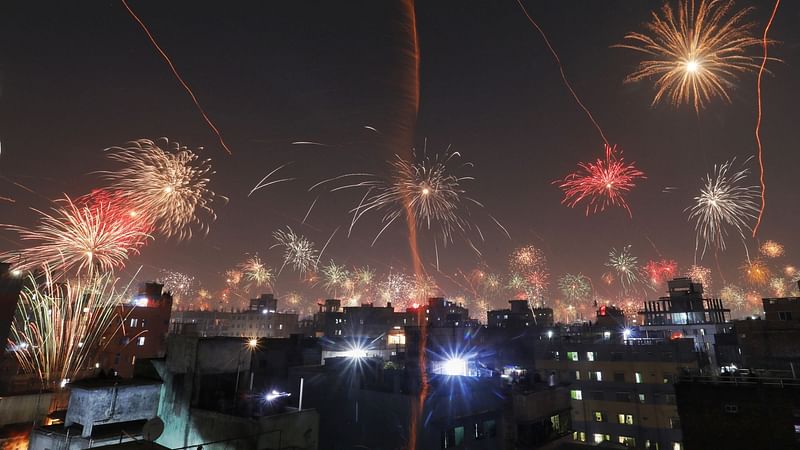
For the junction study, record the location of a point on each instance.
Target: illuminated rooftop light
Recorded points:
(356, 352)
(455, 367)
(275, 395)
(252, 343)
(626, 333)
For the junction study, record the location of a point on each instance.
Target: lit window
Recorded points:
(627, 441)
(572, 356)
(555, 422)
(590, 356)
(140, 341)
(579, 436)
(638, 377)
(599, 438)
(134, 323)
(625, 419)
(599, 416)
(677, 446)
(397, 339)
(577, 375)
(596, 376)
(280, 326)
(641, 398)
(576, 394)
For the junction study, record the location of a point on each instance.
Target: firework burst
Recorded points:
(702, 275)
(625, 265)
(255, 272)
(426, 190)
(529, 272)
(724, 202)
(771, 249)
(181, 285)
(168, 187)
(756, 272)
(336, 277)
(661, 271)
(96, 236)
(694, 53)
(575, 288)
(59, 325)
(298, 251)
(602, 183)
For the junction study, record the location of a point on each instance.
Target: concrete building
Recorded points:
(621, 384)
(216, 395)
(261, 319)
(686, 313)
(519, 315)
(768, 344)
(739, 412)
(139, 331)
(101, 411)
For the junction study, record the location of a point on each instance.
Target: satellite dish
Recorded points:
(152, 429)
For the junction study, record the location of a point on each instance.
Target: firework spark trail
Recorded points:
(603, 182)
(772, 249)
(177, 75)
(261, 184)
(723, 202)
(764, 43)
(59, 325)
(696, 54)
(86, 237)
(563, 75)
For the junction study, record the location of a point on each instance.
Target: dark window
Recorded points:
(490, 428)
(453, 437)
(596, 395)
(616, 356)
(730, 408)
(619, 377)
(785, 315)
(623, 396)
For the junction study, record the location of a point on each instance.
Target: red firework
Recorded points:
(660, 271)
(601, 183)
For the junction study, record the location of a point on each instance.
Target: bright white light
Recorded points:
(607, 334)
(356, 353)
(264, 311)
(549, 334)
(140, 301)
(64, 382)
(626, 333)
(275, 394)
(252, 343)
(692, 66)
(455, 367)
(16, 273)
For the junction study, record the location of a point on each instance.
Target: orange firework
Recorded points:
(177, 75)
(756, 272)
(764, 43)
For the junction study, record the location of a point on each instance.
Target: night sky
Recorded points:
(77, 77)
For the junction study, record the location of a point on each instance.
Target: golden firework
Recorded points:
(695, 52)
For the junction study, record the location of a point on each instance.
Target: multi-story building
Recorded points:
(519, 315)
(621, 385)
(686, 313)
(139, 331)
(261, 319)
